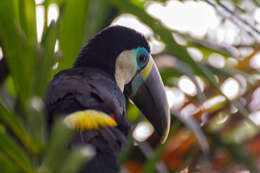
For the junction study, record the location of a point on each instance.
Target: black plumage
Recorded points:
(101, 51)
(90, 84)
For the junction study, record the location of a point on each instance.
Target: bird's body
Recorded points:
(81, 89)
(84, 88)
(117, 58)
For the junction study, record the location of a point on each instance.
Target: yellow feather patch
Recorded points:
(89, 120)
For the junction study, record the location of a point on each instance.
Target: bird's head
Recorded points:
(125, 55)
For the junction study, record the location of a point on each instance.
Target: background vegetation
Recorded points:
(211, 131)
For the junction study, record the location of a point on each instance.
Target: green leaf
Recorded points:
(17, 127)
(223, 72)
(19, 53)
(10, 86)
(13, 150)
(45, 60)
(28, 20)
(57, 149)
(95, 20)
(7, 166)
(75, 159)
(207, 48)
(72, 31)
(126, 151)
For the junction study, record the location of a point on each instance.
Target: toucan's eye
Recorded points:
(142, 58)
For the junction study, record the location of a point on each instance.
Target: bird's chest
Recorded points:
(112, 98)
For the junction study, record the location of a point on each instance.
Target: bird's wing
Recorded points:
(91, 91)
(83, 89)
(77, 92)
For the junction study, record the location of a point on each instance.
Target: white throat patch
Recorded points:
(126, 68)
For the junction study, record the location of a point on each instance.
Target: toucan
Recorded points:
(91, 96)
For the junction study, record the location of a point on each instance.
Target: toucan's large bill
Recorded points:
(148, 94)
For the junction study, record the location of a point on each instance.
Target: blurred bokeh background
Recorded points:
(208, 55)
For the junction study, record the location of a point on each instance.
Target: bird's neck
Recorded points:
(102, 71)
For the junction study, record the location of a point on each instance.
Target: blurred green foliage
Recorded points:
(25, 145)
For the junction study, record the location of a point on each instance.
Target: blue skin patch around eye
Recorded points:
(139, 51)
(138, 80)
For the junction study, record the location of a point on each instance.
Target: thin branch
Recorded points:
(234, 19)
(255, 46)
(238, 17)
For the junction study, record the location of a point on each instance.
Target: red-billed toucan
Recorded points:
(90, 96)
